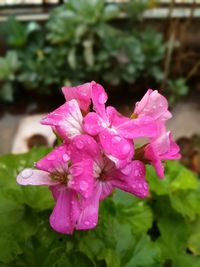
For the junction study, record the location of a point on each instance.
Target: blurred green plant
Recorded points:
(79, 43)
(85, 40)
(162, 230)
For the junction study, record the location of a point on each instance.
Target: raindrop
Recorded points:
(140, 185)
(102, 98)
(83, 185)
(79, 144)
(127, 170)
(136, 172)
(87, 222)
(125, 149)
(51, 157)
(65, 157)
(116, 139)
(27, 173)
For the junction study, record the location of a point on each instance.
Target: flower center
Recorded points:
(62, 178)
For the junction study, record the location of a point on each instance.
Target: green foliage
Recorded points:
(162, 230)
(82, 42)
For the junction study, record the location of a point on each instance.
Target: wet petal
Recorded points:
(131, 179)
(67, 119)
(89, 215)
(99, 98)
(115, 145)
(55, 161)
(93, 123)
(81, 93)
(140, 127)
(34, 177)
(114, 117)
(63, 218)
(82, 179)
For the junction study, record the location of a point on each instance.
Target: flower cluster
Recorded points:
(99, 154)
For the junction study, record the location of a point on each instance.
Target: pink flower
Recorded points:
(107, 177)
(81, 93)
(161, 148)
(71, 184)
(115, 132)
(66, 120)
(154, 105)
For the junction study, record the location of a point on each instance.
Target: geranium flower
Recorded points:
(115, 132)
(71, 184)
(107, 177)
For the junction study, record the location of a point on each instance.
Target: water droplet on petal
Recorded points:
(136, 172)
(27, 173)
(140, 185)
(79, 144)
(87, 222)
(102, 98)
(127, 170)
(51, 157)
(116, 139)
(125, 149)
(133, 186)
(65, 157)
(83, 185)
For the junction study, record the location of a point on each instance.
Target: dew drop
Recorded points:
(79, 144)
(65, 157)
(140, 185)
(27, 173)
(87, 222)
(116, 139)
(102, 98)
(83, 185)
(136, 172)
(127, 170)
(125, 149)
(51, 157)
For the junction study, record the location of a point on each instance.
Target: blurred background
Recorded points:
(127, 46)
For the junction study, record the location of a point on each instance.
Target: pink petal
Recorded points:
(99, 98)
(84, 147)
(89, 215)
(81, 93)
(154, 105)
(67, 119)
(93, 123)
(115, 145)
(56, 161)
(114, 117)
(131, 179)
(140, 127)
(82, 179)
(152, 155)
(34, 177)
(64, 216)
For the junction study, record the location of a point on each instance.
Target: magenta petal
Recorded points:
(34, 177)
(55, 161)
(115, 145)
(114, 117)
(152, 155)
(89, 215)
(140, 127)
(67, 119)
(154, 105)
(81, 93)
(84, 147)
(99, 98)
(82, 179)
(93, 123)
(131, 179)
(63, 219)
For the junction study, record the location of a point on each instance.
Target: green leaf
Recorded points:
(110, 257)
